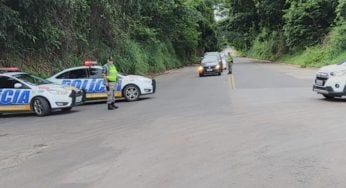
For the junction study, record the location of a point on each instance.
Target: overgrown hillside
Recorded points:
(142, 35)
(304, 32)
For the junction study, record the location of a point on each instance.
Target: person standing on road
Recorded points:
(110, 75)
(230, 62)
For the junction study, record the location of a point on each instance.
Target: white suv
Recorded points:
(330, 81)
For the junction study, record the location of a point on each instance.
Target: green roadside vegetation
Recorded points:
(312, 58)
(143, 36)
(309, 33)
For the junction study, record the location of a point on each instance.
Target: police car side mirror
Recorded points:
(18, 85)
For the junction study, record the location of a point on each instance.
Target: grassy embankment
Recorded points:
(331, 51)
(130, 57)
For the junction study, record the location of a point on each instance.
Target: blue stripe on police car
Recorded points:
(89, 85)
(14, 96)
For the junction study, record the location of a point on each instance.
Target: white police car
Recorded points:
(89, 79)
(22, 92)
(330, 81)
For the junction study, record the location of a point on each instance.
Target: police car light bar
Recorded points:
(9, 69)
(90, 63)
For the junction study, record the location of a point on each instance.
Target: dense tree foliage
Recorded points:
(271, 28)
(47, 35)
(308, 22)
(341, 11)
(243, 23)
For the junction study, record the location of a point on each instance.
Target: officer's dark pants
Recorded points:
(229, 68)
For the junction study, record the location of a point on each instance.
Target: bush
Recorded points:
(131, 58)
(134, 58)
(159, 58)
(314, 57)
(268, 45)
(337, 38)
(332, 50)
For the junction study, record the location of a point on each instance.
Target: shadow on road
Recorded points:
(334, 100)
(74, 110)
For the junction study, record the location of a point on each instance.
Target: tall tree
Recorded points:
(308, 22)
(243, 23)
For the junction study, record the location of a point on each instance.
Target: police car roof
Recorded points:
(83, 67)
(11, 73)
(79, 67)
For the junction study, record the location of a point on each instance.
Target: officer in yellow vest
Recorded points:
(110, 75)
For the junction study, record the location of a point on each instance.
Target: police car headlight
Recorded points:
(58, 92)
(217, 67)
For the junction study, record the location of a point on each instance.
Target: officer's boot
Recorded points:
(110, 107)
(114, 106)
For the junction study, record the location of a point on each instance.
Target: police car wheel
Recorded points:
(40, 106)
(131, 93)
(200, 74)
(328, 96)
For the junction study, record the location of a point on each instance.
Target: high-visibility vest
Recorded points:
(112, 73)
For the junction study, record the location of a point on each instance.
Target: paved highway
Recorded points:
(260, 127)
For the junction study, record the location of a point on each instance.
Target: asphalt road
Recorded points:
(260, 127)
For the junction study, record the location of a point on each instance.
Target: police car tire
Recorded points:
(328, 96)
(40, 106)
(200, 74)
(126, 90)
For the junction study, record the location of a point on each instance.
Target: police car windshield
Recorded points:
(31, 79)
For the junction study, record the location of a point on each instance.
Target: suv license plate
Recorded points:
(209, 70)
(319, 82)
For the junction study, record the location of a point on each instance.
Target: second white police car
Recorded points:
(22, 92)
(330, 81)
(89, 78)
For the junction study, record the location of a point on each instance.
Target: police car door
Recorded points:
(119, 84)
(99, 89)
(14, 95)
(96, 73)
(79, 78)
